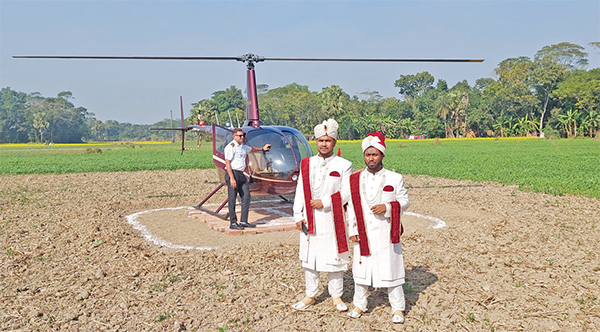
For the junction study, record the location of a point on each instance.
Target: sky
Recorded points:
(146, 91)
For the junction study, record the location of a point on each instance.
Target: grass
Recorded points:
(81, 158)
(552, 166)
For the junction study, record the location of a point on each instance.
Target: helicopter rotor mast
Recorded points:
(252, 118)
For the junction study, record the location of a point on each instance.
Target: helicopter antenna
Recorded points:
(172, 136)
(182, 117)
(182, 125)
(230, 121)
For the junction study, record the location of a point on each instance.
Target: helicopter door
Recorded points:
(221, 136)
(298, 145)
(278, 162)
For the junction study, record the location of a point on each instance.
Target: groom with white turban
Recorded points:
(322, 190)
(378, 200)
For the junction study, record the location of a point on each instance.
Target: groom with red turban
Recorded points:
(378, 200)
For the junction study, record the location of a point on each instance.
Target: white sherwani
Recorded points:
(319, 251)
(384, 267)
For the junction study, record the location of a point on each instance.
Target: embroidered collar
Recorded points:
(325, 160)
(375, 197)
(318, 174)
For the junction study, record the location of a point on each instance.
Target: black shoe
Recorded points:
(235, 226)
(246, 224)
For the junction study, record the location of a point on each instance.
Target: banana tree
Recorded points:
(525, 125)
(592, 123)
(569, 122)
(407, 125)
(499, 125)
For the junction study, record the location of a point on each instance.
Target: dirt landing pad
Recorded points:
(189, 228)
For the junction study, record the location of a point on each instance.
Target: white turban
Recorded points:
(329, 128)
(376, 140)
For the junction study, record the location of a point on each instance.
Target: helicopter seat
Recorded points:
(257, 163)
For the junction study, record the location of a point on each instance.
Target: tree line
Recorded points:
(33, 118)
(552, 92)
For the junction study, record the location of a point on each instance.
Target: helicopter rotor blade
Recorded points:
(243, 58)
(373, 60)
(102, 57)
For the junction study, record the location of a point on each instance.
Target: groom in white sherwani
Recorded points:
(322, 191)
(378, 200)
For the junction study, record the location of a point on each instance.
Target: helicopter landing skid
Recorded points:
(215, 213)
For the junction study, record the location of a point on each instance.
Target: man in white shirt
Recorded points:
(237, 183)
(378, 200)
(321, 193)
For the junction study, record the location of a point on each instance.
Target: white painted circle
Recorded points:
(132, 220)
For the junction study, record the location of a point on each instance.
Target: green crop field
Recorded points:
(81, 158)
(552, 166)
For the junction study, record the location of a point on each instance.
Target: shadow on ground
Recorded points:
(417, 280)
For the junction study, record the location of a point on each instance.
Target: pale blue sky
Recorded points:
(145, 91)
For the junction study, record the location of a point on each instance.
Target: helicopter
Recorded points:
(273, 172)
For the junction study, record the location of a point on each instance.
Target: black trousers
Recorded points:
(243, 189)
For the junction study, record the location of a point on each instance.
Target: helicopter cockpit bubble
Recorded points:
(280, 161)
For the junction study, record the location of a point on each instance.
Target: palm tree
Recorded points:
(454, 104)
(448, 128)
(333, 101)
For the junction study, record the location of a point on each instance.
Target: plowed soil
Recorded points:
(508, 261)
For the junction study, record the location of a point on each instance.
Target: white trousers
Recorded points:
(335, 285)
(395, 295)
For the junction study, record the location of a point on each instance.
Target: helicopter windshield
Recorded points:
(280, 161)
(298, 144)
